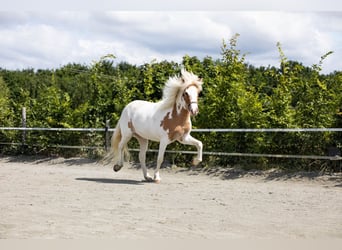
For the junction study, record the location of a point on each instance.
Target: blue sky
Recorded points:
(45, 38)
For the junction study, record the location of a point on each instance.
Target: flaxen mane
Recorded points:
(175, 86)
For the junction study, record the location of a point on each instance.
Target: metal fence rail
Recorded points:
(108, 130)
(262, 130)
(57, 129)
(200, 130)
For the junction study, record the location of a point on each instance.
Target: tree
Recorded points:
(6, 114)
(235, 95)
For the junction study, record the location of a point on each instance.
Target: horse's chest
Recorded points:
(176, 124)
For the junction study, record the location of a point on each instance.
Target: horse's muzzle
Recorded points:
(193, 108)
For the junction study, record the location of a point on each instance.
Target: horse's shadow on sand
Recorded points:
(111, 181)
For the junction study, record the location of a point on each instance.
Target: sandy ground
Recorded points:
(79, 199)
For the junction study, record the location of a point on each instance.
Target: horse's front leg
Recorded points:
(189, 140)
(142, 157)
(162, 147)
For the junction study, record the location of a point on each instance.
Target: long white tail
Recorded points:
(113, 156)
(116, 138)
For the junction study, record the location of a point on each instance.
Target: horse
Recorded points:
(165, 121)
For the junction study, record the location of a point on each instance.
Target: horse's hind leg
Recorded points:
(142, 157)
(123, 142)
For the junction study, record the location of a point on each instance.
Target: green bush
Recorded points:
(235, 95)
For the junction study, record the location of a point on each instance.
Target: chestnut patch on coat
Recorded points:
(186, 98)
(177, 125)
(130, 125)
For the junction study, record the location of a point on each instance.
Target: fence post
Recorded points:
(23, 124)
(107, 135)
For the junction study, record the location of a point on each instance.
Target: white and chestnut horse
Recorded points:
(165, 121)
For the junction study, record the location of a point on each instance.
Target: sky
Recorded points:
(47, 39)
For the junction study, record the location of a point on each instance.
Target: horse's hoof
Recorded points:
(157, 178)
(117, 167)
(149, 179)
(195, 162)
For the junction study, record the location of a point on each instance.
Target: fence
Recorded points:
(333, 153)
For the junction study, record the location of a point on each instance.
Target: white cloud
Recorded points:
(175, 5)
(301, 36)
(37, 45)
(46, 40)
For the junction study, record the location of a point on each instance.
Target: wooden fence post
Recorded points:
(107, 135)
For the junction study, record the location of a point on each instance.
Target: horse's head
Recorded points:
(190, 98)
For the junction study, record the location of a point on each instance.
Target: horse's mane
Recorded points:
(175, 87)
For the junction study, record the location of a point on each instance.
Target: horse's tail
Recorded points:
(113, 154)
(116, 138)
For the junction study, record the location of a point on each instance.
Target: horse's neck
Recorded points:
(176, 118)
(176, 123)
(180, 113)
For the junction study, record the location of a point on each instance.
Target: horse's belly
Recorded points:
(148, 134)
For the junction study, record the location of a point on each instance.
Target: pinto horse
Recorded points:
(165, 121)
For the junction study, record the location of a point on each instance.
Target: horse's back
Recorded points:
(143, 118)
(139, 109)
